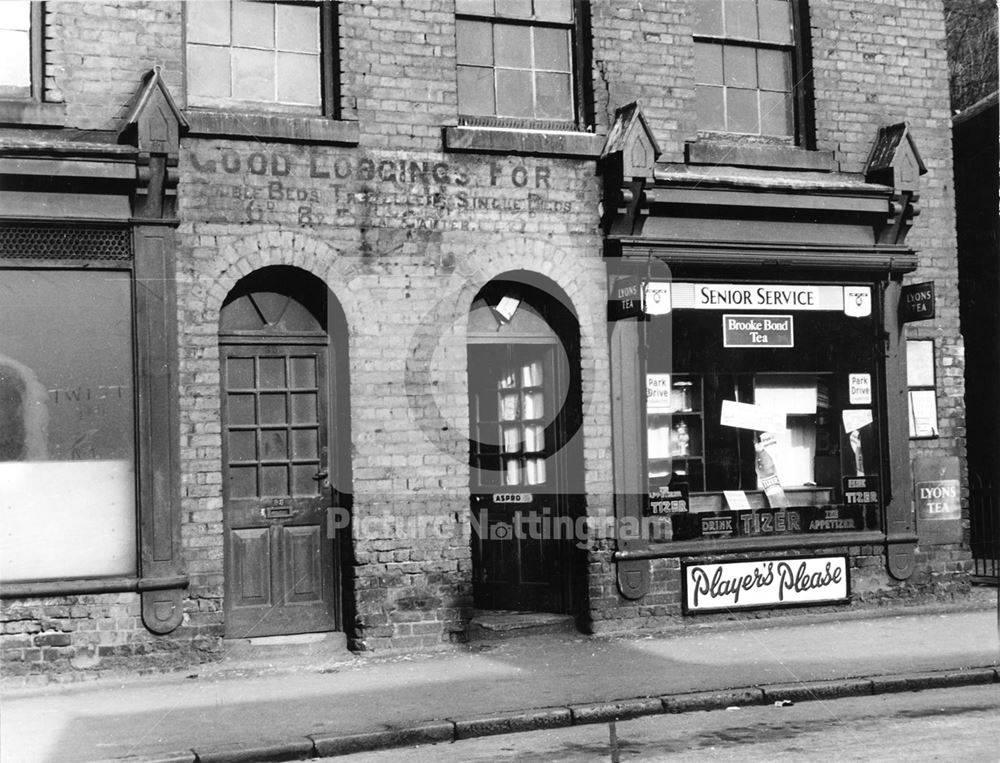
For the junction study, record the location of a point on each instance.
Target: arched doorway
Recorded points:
(526, 480)
(282, 346)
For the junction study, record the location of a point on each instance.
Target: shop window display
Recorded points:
(763, 419)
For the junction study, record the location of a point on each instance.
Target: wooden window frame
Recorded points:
(36, 55)
(580, 66)
(803, 119)
(329, 63)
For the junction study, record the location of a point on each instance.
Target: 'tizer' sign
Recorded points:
(755, 330)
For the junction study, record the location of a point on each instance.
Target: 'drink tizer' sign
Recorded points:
(754, 330)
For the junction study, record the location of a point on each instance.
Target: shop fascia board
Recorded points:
(66, 180)
(874, 202)
(892, 259)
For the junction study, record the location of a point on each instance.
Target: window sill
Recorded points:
(32, 113)
(731, 153)
(495, 140)
(291, 128)
(673, 549)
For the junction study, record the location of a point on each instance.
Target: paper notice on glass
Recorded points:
(856, 418)
(658, 393)
(795, 395)
(756, 417)
(737, 500)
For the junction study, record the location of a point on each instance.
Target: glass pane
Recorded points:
(297, 28)
(534, 438)
(253, 74)
(776, 113)
(15, 64)
(554, 10)
(552, 49)
(243, 481)
(253, 25)
(305, 443)
(774, 69)
(555, 96)
(243, 445)
(484, 7)
(711, 108)
(208, 22)
(272, 409)
(514, 94)
(509, 407)
(239, 373)
(273, 445)
(534, 406)
(272, 373)
(474, 40)
(304, 408)
(303, 372)
(741, 110)
(475, 91)
(241, 410)
(298, 79)
(707, 63)
(15, 14)
(775, 21)
(740, 66)
(303, 480)
(512, 471)
(741, 18)
(208, 71)
(274, 480)
(706, 17)
(512, 46)
(518, 8)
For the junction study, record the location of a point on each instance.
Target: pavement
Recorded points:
(341, 703)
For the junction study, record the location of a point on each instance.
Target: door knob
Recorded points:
(321, 475)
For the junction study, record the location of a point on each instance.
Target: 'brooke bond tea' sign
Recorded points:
(765, 583)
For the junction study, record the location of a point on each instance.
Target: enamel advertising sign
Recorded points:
(765, 583)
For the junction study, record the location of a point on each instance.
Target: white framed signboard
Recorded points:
(765, 583)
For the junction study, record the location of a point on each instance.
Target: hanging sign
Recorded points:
(625, 298)
(916, 302)
(761, 331)
(765, 583)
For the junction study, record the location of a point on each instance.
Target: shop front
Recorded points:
(760, 419)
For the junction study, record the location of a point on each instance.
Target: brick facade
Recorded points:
(404, 233)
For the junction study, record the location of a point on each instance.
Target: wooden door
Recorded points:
(280, 562)
(522, 527)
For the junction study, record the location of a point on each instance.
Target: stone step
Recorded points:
(308, 651)
(493, 625)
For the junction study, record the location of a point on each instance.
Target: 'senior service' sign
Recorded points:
(765, 583)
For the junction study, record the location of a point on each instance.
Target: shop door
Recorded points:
(522, 524)
(280, 563)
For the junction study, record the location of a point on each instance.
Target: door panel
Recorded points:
(522, 529)
(280, 565)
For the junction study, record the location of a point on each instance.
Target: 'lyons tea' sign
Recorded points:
(765, 583)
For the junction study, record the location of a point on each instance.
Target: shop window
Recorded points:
(749, 67)
(20, 39)
(67, 425)
(921, 388)
(261, 56)
(763, 420)
(518, 61)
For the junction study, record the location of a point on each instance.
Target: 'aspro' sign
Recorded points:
(765, 583)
